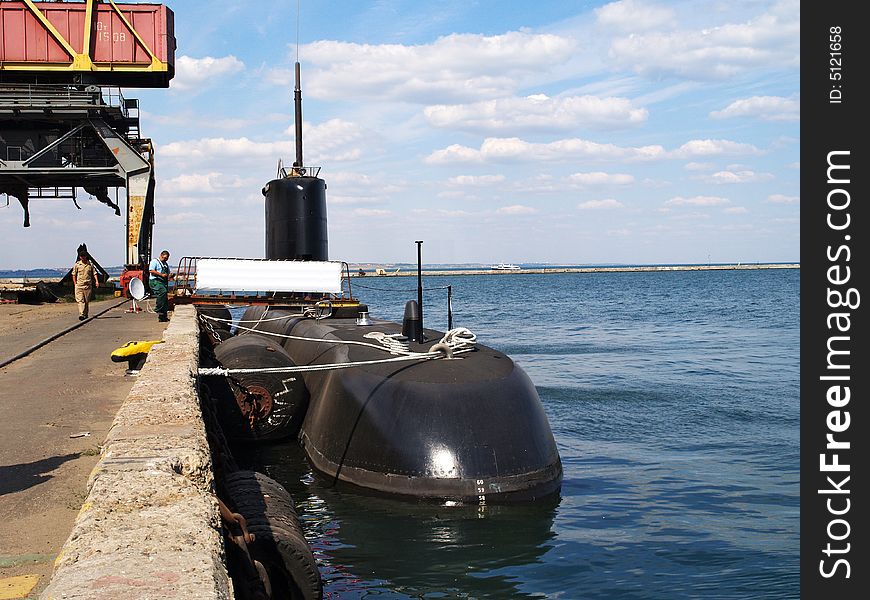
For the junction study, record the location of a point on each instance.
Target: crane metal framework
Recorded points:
(64, 123)
(54, 139)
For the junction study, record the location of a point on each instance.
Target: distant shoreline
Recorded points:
(408, 270)
(15, 285)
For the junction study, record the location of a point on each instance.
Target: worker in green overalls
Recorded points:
(158, 280)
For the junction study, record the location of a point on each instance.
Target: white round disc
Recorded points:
(136, 288)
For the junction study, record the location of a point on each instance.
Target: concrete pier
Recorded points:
(150, 527)
(147, 524)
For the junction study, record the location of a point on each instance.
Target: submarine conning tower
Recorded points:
(296, 204)
(296, 218)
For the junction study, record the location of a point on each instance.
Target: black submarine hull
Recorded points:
(469, 429)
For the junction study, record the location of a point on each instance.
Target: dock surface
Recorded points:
(69, 387)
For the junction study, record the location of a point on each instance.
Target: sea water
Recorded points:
(674, 401)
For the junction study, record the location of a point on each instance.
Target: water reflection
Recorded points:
(374, 546)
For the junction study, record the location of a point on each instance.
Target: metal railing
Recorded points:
(296, 171)
(61, 96)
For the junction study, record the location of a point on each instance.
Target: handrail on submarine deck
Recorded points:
(185, 287)
(297, 171)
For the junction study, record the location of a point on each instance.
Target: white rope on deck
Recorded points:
(456, 341)
(220, 371)
(458, 338)
(309, 312)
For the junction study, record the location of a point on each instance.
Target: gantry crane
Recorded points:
(64, 123)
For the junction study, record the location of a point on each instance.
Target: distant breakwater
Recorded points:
(626, 269)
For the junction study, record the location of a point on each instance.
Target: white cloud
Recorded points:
(768, 108)
(537, 113)
(513, 149)
(631, 15)
(696, 201)
(736, 210)
(227, 148)
(475, 180)
(204, 183)
(352, 200)
(516, 209)
(771, 40)
(698, 166)
(453, 68)
(454, 194)
(188, 119)
(538, 184)
(333, 141)
(701, 148)
(350, 188)
(183, 218)
(441, 212)
(782, 199)
(193, 73)
(371, 212)
(601, 178)
(455, 153)
(721, 177)
(600, 204)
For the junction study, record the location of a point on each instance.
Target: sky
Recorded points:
(569, 132)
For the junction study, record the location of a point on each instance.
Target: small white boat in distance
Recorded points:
(505, 267)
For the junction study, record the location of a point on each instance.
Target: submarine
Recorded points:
(390, 408)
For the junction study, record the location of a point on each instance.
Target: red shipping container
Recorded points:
(140, 51)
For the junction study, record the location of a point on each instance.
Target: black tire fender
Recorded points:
(286, 393)
(288, 558)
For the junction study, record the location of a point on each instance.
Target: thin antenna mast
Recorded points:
(297, 97)
(297, 100)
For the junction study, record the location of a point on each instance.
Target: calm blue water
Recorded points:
(674, 401)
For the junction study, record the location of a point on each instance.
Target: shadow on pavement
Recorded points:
(14, 478)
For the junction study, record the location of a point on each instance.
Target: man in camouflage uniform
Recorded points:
(85, 280)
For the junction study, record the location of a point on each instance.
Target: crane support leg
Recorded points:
(139, 173)
(140, 217)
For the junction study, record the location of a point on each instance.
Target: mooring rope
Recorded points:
(254, 321)
(456, 341)
(220, 371)
(458, 338)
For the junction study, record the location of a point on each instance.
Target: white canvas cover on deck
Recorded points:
(241, 275)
